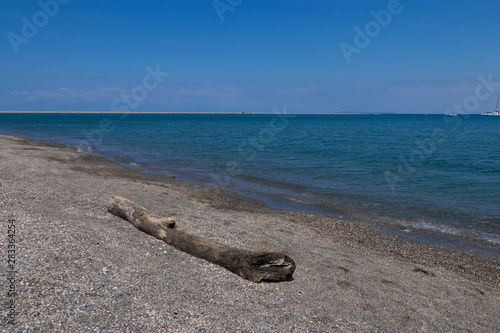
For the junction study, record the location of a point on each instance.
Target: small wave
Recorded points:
(451, 230)
(136, 165)
(82, 148)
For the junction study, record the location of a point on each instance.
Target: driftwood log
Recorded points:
(255, 266)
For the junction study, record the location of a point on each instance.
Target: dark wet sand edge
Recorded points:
(361, 239)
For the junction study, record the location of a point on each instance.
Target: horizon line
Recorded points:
(215, 112)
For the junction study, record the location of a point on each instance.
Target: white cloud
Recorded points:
(299, 90)
(62, 95)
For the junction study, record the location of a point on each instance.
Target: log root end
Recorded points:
(267, 266)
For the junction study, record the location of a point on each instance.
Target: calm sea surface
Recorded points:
(433, 174)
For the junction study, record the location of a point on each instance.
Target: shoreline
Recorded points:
(465, 241)
(349, 276)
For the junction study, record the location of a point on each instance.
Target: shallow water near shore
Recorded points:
(426, 175)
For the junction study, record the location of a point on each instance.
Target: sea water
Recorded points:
(435, 173)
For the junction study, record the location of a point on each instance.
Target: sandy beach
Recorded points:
(81, 269)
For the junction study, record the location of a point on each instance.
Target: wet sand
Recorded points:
(81, 269)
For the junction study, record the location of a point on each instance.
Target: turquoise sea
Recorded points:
(436, 176)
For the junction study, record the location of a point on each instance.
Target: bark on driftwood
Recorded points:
(255, 266)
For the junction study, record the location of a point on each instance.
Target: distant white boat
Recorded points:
(493, 113)
(452, 114)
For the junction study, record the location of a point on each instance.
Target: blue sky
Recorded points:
(246, 55)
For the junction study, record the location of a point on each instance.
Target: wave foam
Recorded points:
(82, 148)
(451, 230)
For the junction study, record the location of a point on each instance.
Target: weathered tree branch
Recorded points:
(255, 266)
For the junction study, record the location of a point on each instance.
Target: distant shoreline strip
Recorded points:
(148, 112)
